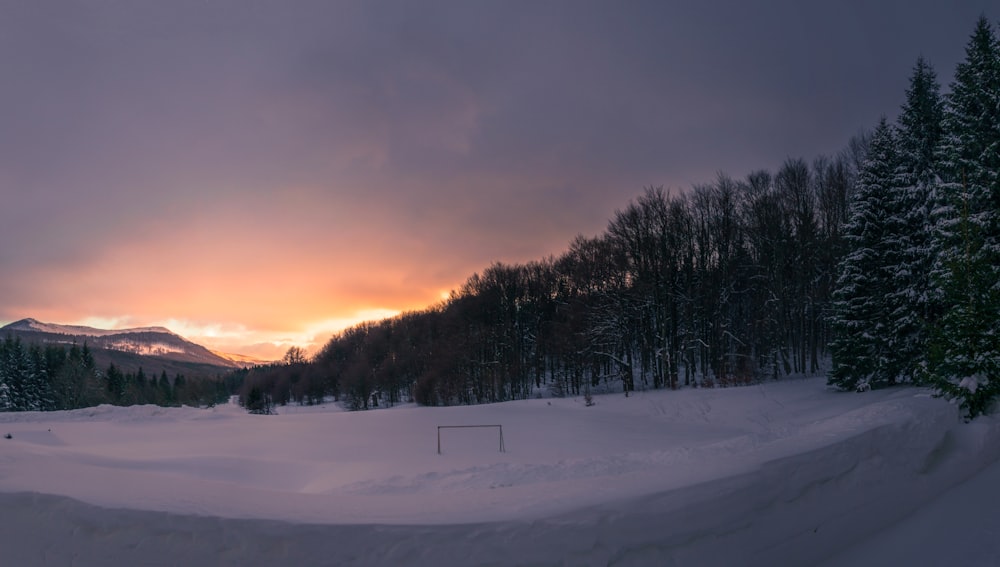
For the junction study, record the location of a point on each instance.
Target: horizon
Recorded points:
(256, 176)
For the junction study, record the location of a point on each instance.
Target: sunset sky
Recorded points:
(255, 175)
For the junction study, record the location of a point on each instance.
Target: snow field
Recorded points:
(784, 473)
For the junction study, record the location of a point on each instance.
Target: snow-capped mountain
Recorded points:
(76, 330)
(153, 348)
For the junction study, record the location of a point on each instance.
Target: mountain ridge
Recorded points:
(156, 349)
(34, 325)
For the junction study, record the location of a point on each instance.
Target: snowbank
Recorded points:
(785, 473)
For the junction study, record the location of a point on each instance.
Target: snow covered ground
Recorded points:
(786, 473)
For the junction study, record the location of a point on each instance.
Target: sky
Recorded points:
(261, 174)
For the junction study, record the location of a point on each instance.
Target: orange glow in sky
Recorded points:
(254, 276)
(258, 175)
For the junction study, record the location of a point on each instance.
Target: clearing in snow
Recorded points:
(784, 473)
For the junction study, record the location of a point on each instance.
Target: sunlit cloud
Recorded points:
(333, 325)
(214, 332)
(239, 339)
(110, 323)
(260, 179)
(271, 345)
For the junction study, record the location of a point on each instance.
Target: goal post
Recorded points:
(499, 430)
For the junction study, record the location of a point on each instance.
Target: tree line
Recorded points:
(728, 283)
(48, 377)
(878, 265)
(881, 262)
(291, 379)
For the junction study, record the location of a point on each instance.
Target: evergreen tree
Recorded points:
(909, 231)
(966, 272)
(165, 394)
(966, 348)
(39, 379)
(8, 375)
(5, 401)
(920, 127)
(137, 390)
(75, 382)
(971, 147)
(180, 389)
(116, 383)
(19, 375)
(258, 402)
(861, 349)
(6, 378)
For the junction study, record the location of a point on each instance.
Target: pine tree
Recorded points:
(972, 142)
(6, 377)
(909, 231)
(920, 127)
(966, 347)
(14, 365)
(966, 274)
(165, 394)
(861, 350)
(116, 383)
(5, 401)
(39, 380)
(258, 401)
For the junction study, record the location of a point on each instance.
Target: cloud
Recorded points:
(270, 166)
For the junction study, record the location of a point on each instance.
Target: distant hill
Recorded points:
(242, 360)
(154, 349)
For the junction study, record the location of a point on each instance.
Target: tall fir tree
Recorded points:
(6, 377)
(5, 401)
(14, 368)
(920, 127)
(965, 352)
(861, 351)
(909, 234)
(966, 273)
(39, 380)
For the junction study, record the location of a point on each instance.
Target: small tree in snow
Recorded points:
(258, 402)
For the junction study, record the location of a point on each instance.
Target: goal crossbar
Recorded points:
(499, 428)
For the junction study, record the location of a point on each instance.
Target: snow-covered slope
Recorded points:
(77, 330)
(785, 473)
(241, 359)
(137, 345)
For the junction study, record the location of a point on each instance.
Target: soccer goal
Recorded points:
(498, 427)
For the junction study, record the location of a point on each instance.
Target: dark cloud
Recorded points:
(437, 136)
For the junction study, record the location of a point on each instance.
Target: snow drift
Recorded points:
(784, 473)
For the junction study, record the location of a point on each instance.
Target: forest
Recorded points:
(875, 266)
(878, 265)
(53, 377)
(726, 284)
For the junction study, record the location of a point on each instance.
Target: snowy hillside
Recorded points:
(77, 330)
(154, 348)
(784, 473)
